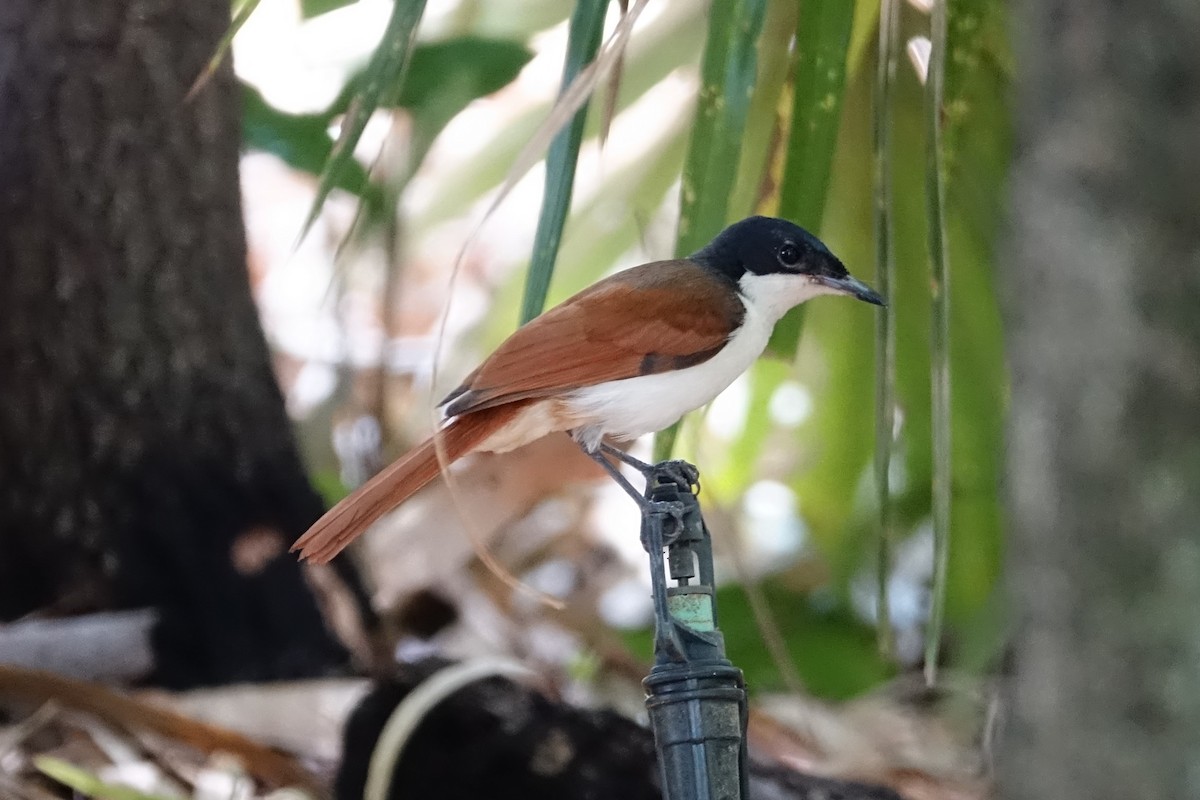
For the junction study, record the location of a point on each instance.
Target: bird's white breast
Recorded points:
(632, 407)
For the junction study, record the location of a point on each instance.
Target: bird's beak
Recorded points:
(852, 286)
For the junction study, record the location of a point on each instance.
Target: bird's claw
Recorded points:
(682, 474)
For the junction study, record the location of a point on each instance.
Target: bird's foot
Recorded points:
(681, 473)
(625, 458)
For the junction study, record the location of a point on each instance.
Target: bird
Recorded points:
(627, 356)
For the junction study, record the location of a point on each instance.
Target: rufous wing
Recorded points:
(661, 316)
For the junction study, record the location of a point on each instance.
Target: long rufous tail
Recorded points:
(406, 476)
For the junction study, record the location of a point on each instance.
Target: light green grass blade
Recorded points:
(661, 46)
(834, 480)
(818, 85)
(300, 140)
(882, 117)
(315, 8)
(240, 14)
(939, 339)
(83, 782)
(631, 193)
(976, 148)
(727, 77)
(586, 30)
(384, 73)
(442, 79)
(756, 189)
(819, 66)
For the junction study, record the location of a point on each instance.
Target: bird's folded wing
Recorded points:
(654, 318)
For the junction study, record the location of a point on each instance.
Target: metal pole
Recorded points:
(695, 696)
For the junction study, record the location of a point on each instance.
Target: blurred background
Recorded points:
(355, 312)
(411, 193)
(246, 250)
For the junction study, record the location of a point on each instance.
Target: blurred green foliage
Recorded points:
(583, 42)
(442, 78)
(301, 140)
(728, 72)
(383, 77)
(783, 124)
(818, 69)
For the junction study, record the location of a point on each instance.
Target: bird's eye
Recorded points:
(789, 255)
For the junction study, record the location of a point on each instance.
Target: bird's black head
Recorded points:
(766, 246)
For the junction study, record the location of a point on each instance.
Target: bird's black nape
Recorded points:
(764, 245)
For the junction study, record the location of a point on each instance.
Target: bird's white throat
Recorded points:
(777, 293)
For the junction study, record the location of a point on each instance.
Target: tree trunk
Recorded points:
(1103, 313)
(145, 456)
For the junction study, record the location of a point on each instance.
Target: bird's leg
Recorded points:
(671, 508)
(685, 475)
(625, 458)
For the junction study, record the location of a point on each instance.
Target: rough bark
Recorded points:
(145, 456)
(1103, 310)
